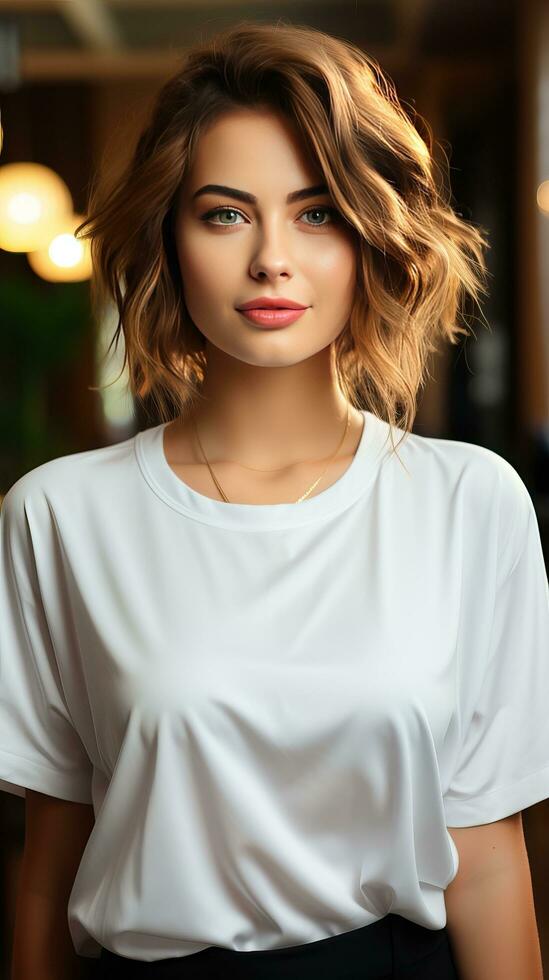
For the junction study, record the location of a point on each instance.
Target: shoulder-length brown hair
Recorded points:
(418, 261)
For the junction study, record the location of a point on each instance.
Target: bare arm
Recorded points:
(56, 832)
(490, 911)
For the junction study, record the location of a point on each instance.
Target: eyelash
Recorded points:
(210, 214)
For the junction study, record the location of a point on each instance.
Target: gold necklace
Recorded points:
(311, 488)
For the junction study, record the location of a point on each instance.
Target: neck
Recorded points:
(269, 417)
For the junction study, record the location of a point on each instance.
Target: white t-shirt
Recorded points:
(276, 709)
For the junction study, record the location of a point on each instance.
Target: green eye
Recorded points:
(216, 211)
(326, 210)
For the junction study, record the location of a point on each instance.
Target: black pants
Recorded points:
(389, 949)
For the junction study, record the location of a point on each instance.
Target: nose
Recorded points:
(271, 257)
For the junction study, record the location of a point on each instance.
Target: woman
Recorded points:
(300, 677)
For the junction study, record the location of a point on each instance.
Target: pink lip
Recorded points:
(272, 318)
(267, 302)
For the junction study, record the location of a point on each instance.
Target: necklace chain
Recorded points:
(306, 494)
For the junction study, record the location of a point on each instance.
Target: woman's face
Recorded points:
(232, 251)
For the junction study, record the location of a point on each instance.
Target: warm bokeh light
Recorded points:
(543, 197)
(65, 258)
(33, 198)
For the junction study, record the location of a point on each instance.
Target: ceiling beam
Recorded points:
(37, 64)
(92, 24)
(62, 64)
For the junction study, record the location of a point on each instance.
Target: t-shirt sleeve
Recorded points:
(39, 746)
(503, 763)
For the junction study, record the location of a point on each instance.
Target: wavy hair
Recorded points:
(418, 261)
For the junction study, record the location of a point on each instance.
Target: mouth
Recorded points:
(272, 318)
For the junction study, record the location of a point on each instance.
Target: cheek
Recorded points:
(334, 269)
(199, 269)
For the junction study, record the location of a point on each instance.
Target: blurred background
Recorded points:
(76, 80)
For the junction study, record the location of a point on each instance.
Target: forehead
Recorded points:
(257, 150)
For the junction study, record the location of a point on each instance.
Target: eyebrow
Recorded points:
(247, 198)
